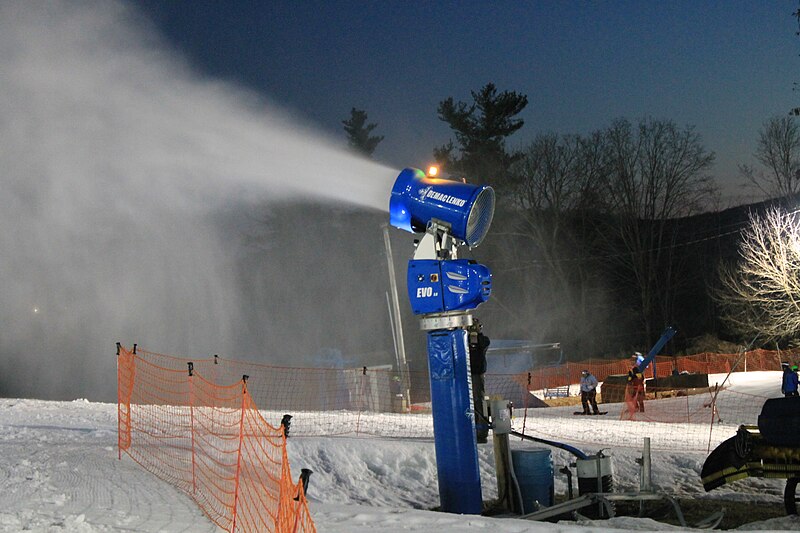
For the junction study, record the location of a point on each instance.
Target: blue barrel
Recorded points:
(533, 468)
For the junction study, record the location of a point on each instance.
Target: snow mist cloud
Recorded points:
(114, 161)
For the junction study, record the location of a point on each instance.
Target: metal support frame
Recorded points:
(604, 500)
(396, 321)
(509, 496)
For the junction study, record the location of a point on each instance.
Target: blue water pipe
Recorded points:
(454, 422)
(571, 449)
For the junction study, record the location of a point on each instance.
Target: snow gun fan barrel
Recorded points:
(418, 200)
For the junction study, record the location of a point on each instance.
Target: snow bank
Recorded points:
(59, 471)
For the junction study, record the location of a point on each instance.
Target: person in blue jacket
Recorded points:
(790, 380)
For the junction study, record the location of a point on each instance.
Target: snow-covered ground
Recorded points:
(59, 471)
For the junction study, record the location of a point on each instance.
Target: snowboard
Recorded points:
(584, 414)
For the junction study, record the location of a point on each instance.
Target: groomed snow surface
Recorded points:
(59, 471)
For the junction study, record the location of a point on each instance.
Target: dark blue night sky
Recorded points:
(724, 67)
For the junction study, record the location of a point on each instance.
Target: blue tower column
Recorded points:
(454, 422)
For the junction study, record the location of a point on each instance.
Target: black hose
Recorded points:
(571, 449)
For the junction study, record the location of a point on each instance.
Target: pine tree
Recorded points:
(358, 132)
(481, 129)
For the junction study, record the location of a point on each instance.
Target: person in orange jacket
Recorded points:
(635, 389)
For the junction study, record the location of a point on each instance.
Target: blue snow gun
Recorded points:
(450, 213)
(443, 286)
(651, 355)
(443, 289)
(418, 200)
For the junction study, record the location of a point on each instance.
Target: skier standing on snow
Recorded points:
(478, 344)
(589, 392)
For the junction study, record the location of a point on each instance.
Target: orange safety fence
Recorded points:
(379, 401)
(706, 363)
(210, 441)
(681, 422)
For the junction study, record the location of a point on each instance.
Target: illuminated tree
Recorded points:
(761, 293)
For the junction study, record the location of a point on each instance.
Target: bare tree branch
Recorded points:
(778, 151)
(761, 293)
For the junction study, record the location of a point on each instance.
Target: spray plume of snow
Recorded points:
(114, 155)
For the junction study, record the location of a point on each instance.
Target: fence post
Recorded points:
(361, 397)
(191, 424)
(688, 414)
(215, 371)
(525, 413)
(713, 411)
(126, 374)
(239, 453)
(301, 496)
(119, 408)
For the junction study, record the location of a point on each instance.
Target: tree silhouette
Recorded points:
(656, 174)
(481, 129)
(796, 110)
(358, 133)
(779, 152)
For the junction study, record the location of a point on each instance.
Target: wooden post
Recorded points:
(239, 453)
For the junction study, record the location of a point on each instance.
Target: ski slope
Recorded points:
(59, 471)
